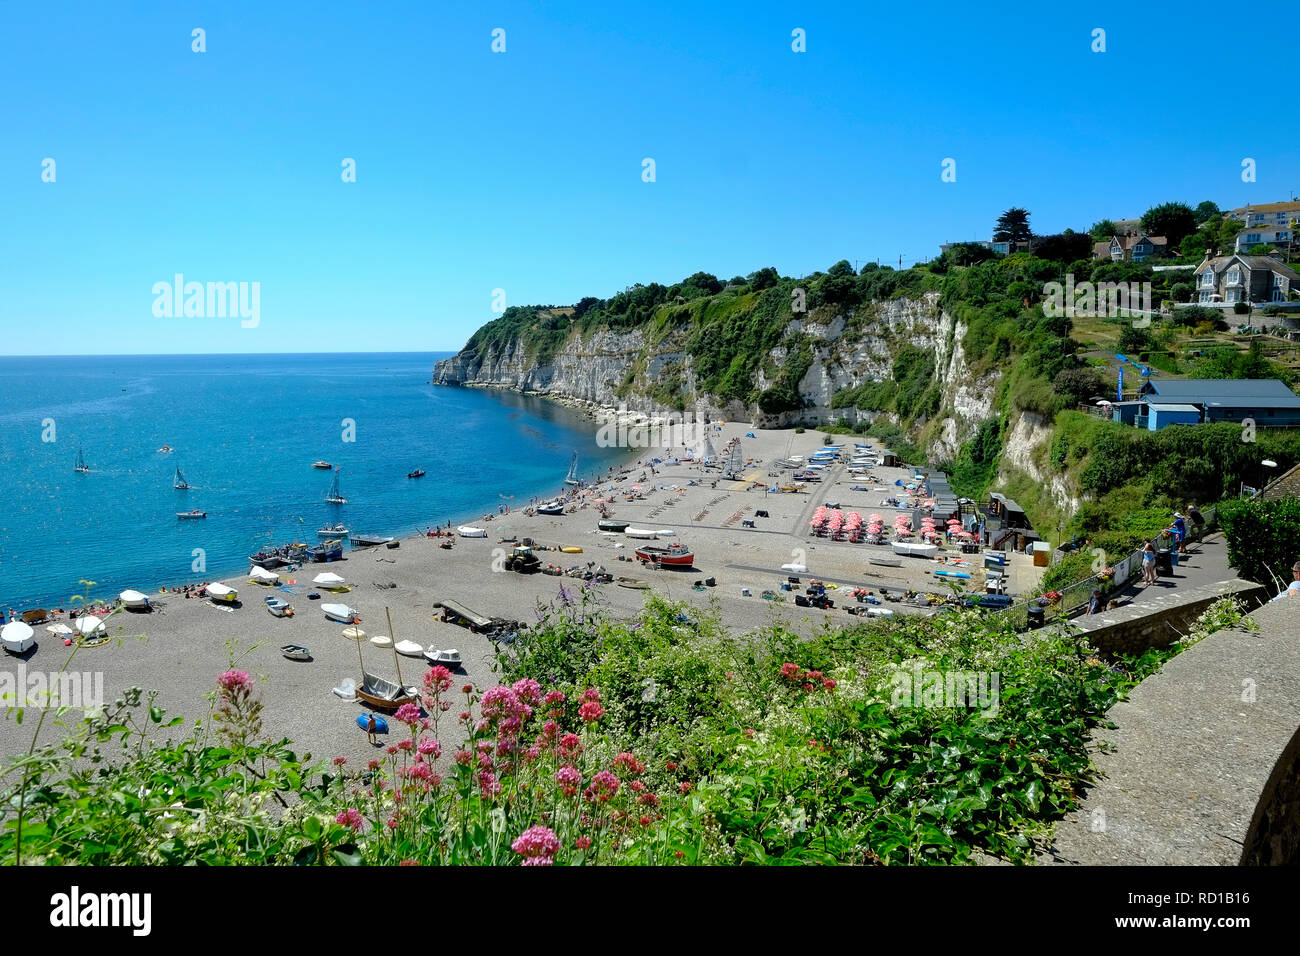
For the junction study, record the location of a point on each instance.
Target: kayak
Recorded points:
(572, 550)
(381, 725)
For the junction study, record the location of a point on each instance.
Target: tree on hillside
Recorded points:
(1063, 247)
(841, 268)
(1013, 226)
(701, 283)
(585, 305)
(964, 254)
(1173, 220)
(1206, 210)
(1104, 229)
(764, 278)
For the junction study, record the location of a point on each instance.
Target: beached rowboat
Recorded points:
(295, 652)
(279, 607)
(677, 555)
(339, 612)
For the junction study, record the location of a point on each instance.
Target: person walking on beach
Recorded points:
(1148, 564)
(372, 730)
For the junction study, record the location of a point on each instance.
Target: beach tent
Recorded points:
(17, 637)
(468, 531)
(263, 576)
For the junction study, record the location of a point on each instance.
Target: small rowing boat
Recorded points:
(295, 652)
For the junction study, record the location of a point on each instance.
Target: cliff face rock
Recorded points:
(1024, 451)
(655, 377)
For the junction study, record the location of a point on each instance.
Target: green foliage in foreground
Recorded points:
(1263, 537)
(661, 740)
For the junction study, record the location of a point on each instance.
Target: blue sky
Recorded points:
(522, 170)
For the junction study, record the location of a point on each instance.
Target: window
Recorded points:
(1232, 295)
(1234, 276)
(1252, 238)
(1206, 296)
(1207, 279)
(1278, 295)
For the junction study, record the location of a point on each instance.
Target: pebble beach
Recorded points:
(180, 646)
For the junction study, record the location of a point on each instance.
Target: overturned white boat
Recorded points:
(339, 612)
(915, 549)
(134, 600)
(329, 581)
(17, 637)
(795, 568)
(469, 531)
(641, 532)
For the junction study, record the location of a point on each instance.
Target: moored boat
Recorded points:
(676, 555)
(134, 600)
(418, 473)
(329, 551)
(180, 484)
(194, 515)
(383, 694)
(610, 524)
(334, 496)
(339, 530)
(279, 607)
(321, 464)
(80, 467)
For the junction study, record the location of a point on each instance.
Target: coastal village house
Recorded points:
(1135, 246)
(1276, 214)
(1226, 280)
(1263, 236)
(1193, 401)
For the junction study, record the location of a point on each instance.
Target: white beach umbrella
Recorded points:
(89, 625)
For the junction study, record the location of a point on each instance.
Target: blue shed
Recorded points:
(1162, 416)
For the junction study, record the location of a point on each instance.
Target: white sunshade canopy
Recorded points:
(16, 636)
(261, 574)
(328, 580)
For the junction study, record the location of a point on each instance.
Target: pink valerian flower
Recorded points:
(485, 761)
(583, 843)
(570, 746)
(488, 784)
(591, 695)
(408, 714)
(591, 712)
(628, 762)
(554, 697)
(464, 757)
(645, 821)
(537, 845)
(749, 731)
(428, 746)
(528, 690)
(648, 799)
(684, 787)
(340, 761)
(502, 702)
(637, 786)
(603, 786)
(792, 672)
(232, 682)
(392, 823)
(418, 771)
(550, 731)
(828, 684)
(437, 679)
(350, 818)
(569, 780)
(532, 753)
(467, 689)
(373, 765)
(406, 745)
(391, 751)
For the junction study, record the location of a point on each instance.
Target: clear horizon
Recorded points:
(523, 170)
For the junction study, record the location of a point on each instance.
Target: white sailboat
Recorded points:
(81, 467)
(572, 477)
(334, 496)
(180, 484)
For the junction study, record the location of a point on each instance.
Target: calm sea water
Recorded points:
(245, 431)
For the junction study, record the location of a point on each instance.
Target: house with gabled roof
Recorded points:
(1226, 280)
(1277, 214)
(1135, 246)
(1265, 401)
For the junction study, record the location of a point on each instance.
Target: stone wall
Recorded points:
(1157, 621)
(1274, 835)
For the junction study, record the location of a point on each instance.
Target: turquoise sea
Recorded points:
(245, 430)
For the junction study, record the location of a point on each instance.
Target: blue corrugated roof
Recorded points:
(1232, 392)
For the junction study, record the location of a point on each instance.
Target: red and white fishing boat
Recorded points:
(675, 555)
